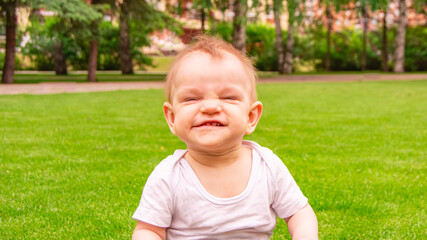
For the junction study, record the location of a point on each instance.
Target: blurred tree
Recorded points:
(277, 10)
(294, 17)
(203, 6)
(126, 64)
(399, 52)
(73, 18)
(365, 17)
(93, 41)
(329, 18)
(8, 8)
(8, 14)
(330, 7)
(93, 52)
(373, 5)
(137, 14)
(240, 9)
(382, 5)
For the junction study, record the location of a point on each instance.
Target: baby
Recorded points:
(221, 187)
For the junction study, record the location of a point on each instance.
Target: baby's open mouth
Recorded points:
(214, 124)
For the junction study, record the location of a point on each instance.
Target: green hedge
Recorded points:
(260, 43)
(346, 48)
(416, 49)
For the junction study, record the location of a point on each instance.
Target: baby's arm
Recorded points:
(147, 231)
(303, 224)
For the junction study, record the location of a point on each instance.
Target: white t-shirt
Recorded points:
(174, 198)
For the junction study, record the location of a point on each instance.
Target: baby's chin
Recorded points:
(215, 147)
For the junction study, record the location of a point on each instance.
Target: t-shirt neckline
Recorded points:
(217, 200)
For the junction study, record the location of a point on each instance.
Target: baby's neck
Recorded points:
(216, 159)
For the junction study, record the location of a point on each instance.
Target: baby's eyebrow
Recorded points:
(233, 89)
(188, 90)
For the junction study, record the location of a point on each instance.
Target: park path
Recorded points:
(71, 87)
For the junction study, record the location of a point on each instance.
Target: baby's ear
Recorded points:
(254, 116)
(169, 116)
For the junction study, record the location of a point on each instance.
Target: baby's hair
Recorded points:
(215, 47)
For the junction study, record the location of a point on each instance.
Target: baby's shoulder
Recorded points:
(266, 154)
(273, 164)
(168, 166)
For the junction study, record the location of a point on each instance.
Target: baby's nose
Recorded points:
(210, 106)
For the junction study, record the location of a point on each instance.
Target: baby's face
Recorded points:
(211, 106)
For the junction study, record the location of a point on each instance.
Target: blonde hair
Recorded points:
(215, 47)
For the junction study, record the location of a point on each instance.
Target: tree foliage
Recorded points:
(75, 24)
(136, 17)
(73, 17)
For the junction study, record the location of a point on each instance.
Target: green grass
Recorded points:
(72, 166)
(116, 76)
(101, 77)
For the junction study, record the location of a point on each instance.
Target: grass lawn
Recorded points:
(72, 166)
(101, 77)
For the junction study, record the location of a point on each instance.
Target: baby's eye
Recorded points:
(230, 98)
(189, 99)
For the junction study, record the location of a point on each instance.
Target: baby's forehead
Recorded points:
(220, 57)
(200, 66)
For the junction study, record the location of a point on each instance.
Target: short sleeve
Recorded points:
(156, 203)
(288, 197)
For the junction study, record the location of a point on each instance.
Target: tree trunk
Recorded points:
(289, 49)
(399, 52)
(384, 45)
(91, 76)
(59, 58)
(125, 53)
(203, 16)
(365, 29)
(328, 39)
(279, 39)
(9, 61)
(239, 24)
